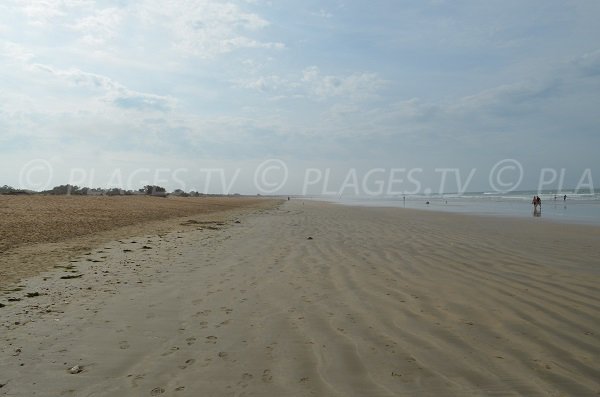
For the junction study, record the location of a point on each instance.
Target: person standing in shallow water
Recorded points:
(536, 201)
(565, 198)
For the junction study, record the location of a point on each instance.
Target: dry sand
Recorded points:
(380, 302)
(37, 232)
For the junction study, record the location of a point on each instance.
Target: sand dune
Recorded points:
(380, 302)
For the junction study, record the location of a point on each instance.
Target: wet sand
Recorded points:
(316, 299)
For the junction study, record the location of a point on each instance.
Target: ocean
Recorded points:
(577, 208)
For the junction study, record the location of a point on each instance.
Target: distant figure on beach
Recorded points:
(555, 197)
(565, 198)
(536, 201)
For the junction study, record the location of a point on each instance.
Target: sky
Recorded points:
(291, 97)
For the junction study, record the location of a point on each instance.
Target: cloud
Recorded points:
(322, 13)
(198, 28)
(140, 101)
(44, 13)
(311, 84)
(508, 100)
(206, 28)
(355, 86)
(526, 110)
(588, 64)
(272, 84)
(114, 92)
(99, 27)
(14, 52)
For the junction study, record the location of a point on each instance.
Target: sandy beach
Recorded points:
(39, 231)
(314, 299)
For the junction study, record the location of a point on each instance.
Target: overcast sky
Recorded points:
(101, 85)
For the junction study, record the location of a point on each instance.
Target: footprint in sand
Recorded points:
(246, 377)
(173, 350)
(266, 376)
(223, 355)
(190, 341)
(187, 363)
(136, 378)
(211, 339)
(222, 323)
(203, 313)
(123, 345)
(157, 391)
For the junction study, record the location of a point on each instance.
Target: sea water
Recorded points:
(577, 208)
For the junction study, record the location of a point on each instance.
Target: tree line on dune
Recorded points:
(68, 190)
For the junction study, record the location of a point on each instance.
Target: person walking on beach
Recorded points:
(565, 198)
(539, 201)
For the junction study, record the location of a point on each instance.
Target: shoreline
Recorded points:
(592, 221)
(377, 302)
(498, 216)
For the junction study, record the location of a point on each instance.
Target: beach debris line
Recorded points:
(70, 276)
(210, 225)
